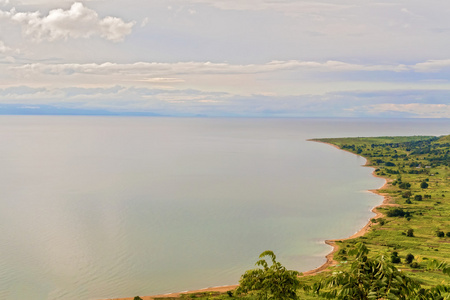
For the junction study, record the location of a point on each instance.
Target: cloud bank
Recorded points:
(76, 22)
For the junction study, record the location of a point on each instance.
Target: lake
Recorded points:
(99, 207)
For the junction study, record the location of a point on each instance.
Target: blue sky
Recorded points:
(257, 58)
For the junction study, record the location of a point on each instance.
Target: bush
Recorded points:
(448, 234)
(424, 185)
(418, 197)
(440, 233)
(406, 194)
(398, 212)
(404, 185)
(394, 258)
(414, 265)
(409, 258)
(410, 232)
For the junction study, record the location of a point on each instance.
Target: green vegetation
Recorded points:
(405, 254)
(274, 282)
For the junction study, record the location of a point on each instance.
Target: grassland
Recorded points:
(418, 172)
(417, 222)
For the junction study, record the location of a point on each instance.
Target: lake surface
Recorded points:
(99, 207)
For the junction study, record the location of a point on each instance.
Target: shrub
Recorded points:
(404, 185)
(418, 197)
(409, 258)
(398, 212)
(410, 232)
(394, 258)
(414, 265)
(424, 185)
(448, 234)
(440, 233)
(406, 194)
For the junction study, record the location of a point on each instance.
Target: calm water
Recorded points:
(98, 207)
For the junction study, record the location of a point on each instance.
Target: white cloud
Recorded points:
(76, 22)
(422, 110)
(4, 48)
(149, 68)
(144, 22)
(306, 7)
(432, 65)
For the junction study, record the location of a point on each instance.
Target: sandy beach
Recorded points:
(329, 257)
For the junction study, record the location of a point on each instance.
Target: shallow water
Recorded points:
(98, 207)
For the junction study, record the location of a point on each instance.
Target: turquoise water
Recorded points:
(99, 207)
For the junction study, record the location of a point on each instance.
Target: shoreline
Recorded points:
(330, 262)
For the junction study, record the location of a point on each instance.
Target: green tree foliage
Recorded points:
(424, 185)
(404, 185)
(274, 282)
(394, 258)
(398, 212)
(368, 278)
(409, 258)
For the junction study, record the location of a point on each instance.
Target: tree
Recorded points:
(368, 278)
(394, 258)
(440, 233)
(410, 232)
(404, 185)
(409, 258)
(274, 282)
(424, 185)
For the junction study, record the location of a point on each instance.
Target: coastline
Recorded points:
(330, 262)
(386, 202)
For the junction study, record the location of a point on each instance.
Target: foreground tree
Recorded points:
(368, 278)
(274, 282)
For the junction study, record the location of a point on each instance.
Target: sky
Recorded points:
(227, 58)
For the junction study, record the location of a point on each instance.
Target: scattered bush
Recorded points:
(398, 212)
(409, 258)
(424, 185)
(418, 197)
(415, 265)
(394, 258)
(406, 194)
(440, 233)
(404, 185)
(410, 232)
